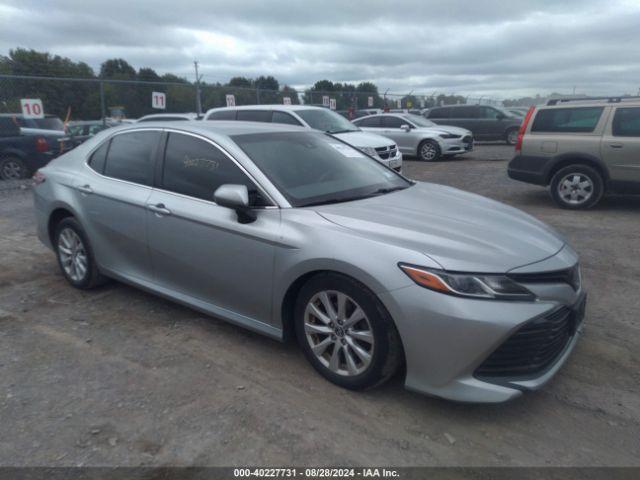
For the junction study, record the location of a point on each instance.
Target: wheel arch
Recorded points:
(55, 217)
(576, 159)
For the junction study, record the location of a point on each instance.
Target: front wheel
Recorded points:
(577, 187)
(512, 136)
(429, 151)
(346, 333)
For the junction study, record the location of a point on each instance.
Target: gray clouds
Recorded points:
(494, 48)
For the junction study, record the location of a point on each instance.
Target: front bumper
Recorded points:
(394, 162)
(447, 338)
(456, 146)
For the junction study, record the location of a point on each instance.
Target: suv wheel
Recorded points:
(346, 333)
(577, 187)
(429, 151)
(12, 168)
(512, 136)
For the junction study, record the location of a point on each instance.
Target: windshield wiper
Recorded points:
(382, 191)
(375, 193)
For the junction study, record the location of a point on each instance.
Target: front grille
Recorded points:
(570, 276)
(387, 152)
(533, 348)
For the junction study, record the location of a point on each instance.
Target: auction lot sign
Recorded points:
(158, 100)
(231, 100)
(31, 108)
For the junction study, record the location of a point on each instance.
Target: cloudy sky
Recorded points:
(501, 48)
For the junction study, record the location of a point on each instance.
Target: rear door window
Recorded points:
(439, 113)
(567, 120)
(283, 117)
(131, 157)
(372, 122)
(254, 115)
(626, 122)
(223, 115)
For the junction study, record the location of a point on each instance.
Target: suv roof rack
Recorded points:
(615, 99)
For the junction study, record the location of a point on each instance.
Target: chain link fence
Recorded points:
(96, 98)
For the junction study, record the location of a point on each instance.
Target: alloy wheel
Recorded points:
(428, 151)
(11, 170)
(73, 255)
(339, 333)
(575, 188)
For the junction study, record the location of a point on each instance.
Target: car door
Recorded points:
(111, 194)
(490, 125)
(391, 129)
(199, 250)
(620, 145)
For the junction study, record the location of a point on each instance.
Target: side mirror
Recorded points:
(405, 127)
(235, 197)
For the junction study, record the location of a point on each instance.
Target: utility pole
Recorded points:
(198, 100)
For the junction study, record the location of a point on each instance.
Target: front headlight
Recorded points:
(449, 135)
(369, 151)
(473, 285)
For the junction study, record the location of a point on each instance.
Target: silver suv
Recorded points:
(581, 149)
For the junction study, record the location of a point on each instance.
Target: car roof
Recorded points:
(165, 115)
(220, 127)
(276, 106)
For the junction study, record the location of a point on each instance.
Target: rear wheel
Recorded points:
(346, 333)
(13, 168)
(577, 187)
(75, 256)
(429, 151)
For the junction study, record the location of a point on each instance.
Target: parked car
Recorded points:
(518, 111)
(80, 131)
(417, 136)
(50, 125)
(20, 154)
(266, 226)
(318, 118)
(581, 149)
(168, 117)
(486, 122)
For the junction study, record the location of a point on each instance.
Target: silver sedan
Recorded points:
(417, 136)
(294, 233)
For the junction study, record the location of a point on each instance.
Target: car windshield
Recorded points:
(418, 120)
(311, 168)
(326, 121)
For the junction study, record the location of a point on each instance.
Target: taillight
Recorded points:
(42, 145)
(38, 178)
(523, 127)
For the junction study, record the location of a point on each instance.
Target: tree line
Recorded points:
(82, 100)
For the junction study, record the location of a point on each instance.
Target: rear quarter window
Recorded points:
(567, 120)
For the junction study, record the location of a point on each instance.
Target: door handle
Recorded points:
(85, 189)
(615, 145)
(159, 208)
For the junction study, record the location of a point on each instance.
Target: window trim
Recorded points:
(161, 158)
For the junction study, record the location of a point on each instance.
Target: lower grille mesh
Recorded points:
(533, 348)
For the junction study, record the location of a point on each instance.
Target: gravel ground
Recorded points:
(120, 377)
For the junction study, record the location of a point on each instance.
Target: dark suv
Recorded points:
(486, 122)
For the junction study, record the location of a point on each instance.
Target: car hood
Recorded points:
(364, 139)
(461, 231)
(445, 129)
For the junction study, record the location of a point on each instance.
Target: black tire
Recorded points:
(92, 277)
(387, 351)
(583, 174)
(511, 136)
(429, 151)
(13, 168)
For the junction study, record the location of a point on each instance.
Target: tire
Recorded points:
(70, 255)
(429, 151)
(577, 187)
(373, 334)
(511, 137)
(13, 168)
